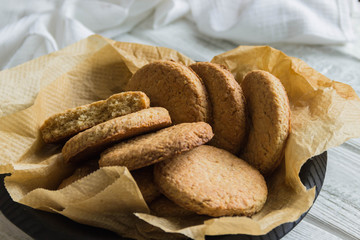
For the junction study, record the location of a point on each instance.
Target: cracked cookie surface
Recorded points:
(158, 146)
(94, 140)
(175, 87)
(228, 117)
(269, 111)
(64, 125)
(212, 181)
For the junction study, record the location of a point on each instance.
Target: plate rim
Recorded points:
(36, 229)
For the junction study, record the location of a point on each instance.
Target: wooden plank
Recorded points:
(337, 209)
(306, 230)
(9, 231)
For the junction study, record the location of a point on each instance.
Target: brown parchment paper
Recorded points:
(325, 113)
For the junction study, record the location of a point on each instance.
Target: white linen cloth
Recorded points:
(29, 29)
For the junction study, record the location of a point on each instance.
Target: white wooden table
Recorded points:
(336, 213)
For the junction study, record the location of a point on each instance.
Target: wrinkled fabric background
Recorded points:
(30, 29)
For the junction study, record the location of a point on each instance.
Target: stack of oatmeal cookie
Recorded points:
(195, 140)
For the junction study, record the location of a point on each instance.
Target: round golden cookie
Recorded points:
(269, 111)
(97, 138)
(211, 181)
(175, 87)
(144, 178)
(64, 125)
(163, 207)
(227, 104)
(155, 147)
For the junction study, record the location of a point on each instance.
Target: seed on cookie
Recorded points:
(155, 147)
(211, 181)
(269, 111)
(228, 106)
(96, 139)
(175, 87)
(64, 125)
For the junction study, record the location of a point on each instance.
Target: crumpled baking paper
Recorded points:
(325, 114)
